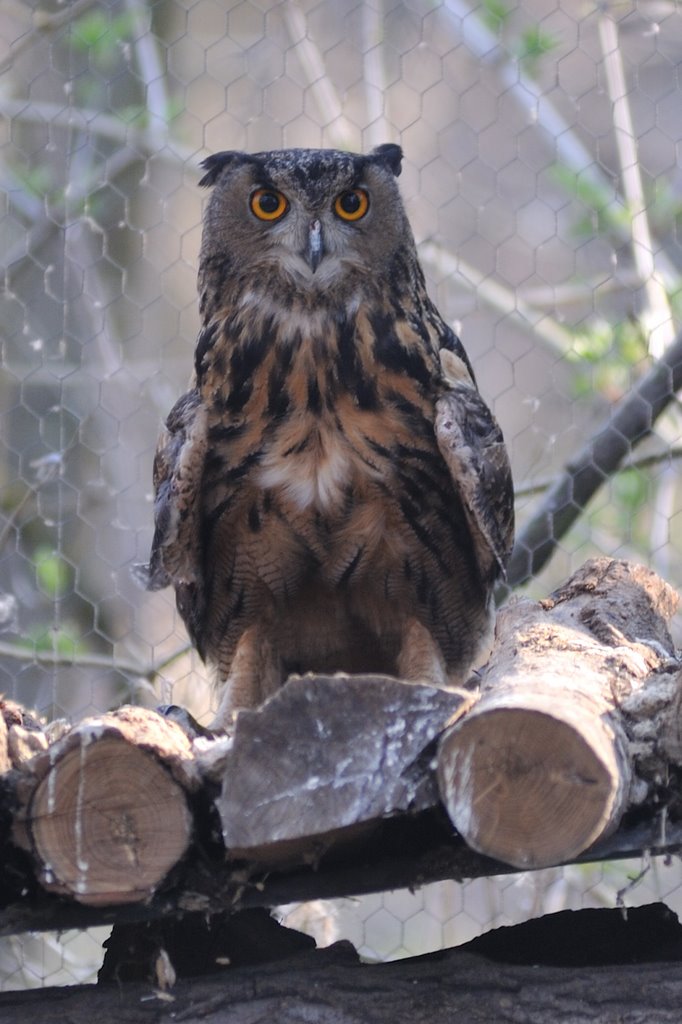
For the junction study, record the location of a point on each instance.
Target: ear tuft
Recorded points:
(390, 155)
(215, 164)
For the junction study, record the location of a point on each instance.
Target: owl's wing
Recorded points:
(178, 471)
(472, 445)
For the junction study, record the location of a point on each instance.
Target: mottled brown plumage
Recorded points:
(332, 493)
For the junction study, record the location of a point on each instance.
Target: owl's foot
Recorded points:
(255, 673)
(183, 718)
(419, 659)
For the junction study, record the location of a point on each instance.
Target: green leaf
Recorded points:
(63, 640)
(604, 215)
(495, 14)
(608, 355)
(174, 108)
(101, 36)
(534, 45)
(37, 180)
(52, 572)
(631, 489)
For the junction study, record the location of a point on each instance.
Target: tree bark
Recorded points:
(326, 758)
(330, 986)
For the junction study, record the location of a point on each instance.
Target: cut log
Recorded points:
(106, 814)
(325, 757)
(541, 768)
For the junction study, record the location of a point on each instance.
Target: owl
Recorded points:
(331, 493)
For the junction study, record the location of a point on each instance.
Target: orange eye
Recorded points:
(352, 205)
(267, 204)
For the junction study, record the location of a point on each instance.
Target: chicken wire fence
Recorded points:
(541, 141)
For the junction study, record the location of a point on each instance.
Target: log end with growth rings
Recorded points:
(107, 822)
(530, 786)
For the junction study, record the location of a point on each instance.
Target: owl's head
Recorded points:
(310, 214)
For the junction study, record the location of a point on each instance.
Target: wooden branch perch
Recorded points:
(541, 768)
(332, 787)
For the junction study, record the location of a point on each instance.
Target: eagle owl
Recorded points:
(331, 493)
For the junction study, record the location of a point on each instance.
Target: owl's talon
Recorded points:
(183, 718)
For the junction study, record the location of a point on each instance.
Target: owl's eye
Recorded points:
(267, 204)
(352, 205)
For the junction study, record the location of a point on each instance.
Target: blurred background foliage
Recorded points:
(543, 184)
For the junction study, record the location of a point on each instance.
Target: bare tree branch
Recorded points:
(110, 126)
(319, 82)
(632, 420)
(499, 297)
(89, 660)
(641, 462)
(656, 317)
(44, 24)
(538, 104)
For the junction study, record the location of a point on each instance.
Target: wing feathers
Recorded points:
(178, 469)
(472, 445)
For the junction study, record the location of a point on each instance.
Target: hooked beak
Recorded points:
(314, 250)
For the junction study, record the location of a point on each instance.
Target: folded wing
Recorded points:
(178, 472)
(471, 442)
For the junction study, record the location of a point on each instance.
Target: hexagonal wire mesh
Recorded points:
(542, 184)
